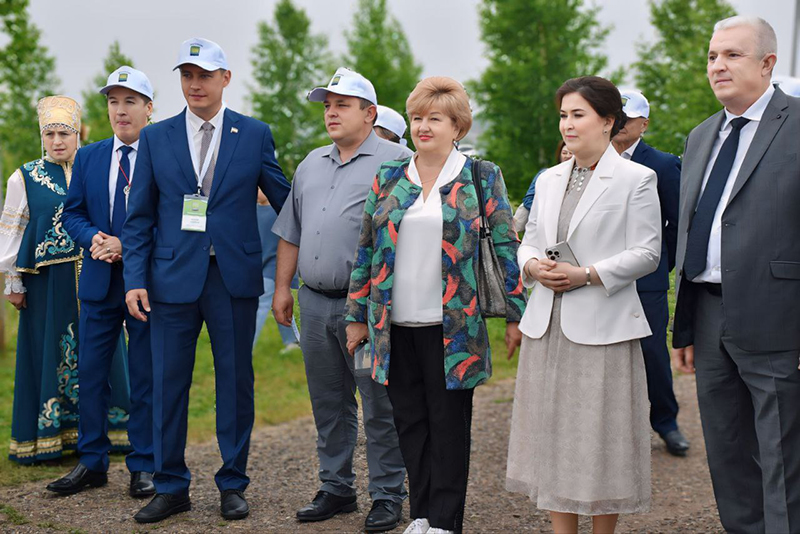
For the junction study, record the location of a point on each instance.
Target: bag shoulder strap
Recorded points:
(477, 174)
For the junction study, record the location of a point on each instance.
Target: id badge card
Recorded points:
(194, 213)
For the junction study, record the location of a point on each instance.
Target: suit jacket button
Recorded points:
(636, 315)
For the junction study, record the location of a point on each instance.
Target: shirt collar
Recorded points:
(451, 168)
(119, 144)
(631, 149)
(367, 148)
(196, 122)
(754, 112)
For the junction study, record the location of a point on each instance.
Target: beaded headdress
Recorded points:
(59, 112)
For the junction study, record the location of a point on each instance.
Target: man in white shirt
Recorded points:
(737, 320)
(192, 255)
(93, 215)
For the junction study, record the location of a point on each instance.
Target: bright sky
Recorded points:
(443, 34)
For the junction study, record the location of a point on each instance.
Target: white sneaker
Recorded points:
(418, 526)
(436, 530)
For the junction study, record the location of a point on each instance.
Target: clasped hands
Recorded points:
(558, 276)
(106, 248)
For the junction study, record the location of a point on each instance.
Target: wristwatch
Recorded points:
(588, 276)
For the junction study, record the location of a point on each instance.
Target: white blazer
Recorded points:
(616, 228)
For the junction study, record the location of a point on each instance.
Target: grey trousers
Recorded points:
(332, 386)
(750, 410)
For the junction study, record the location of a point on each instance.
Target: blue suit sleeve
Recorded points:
(76, 214)
(527, 201)
(272, 180)
(669, 191)
(137, 232)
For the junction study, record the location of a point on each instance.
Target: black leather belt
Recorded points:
(330, 293)
(713, 289)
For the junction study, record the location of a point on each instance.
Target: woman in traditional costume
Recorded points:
(41, 263)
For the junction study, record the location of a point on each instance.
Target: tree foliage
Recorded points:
(95, 110)
(27, 73)
(671, 71)
(378, 48)
(287, 62)
(533, 46)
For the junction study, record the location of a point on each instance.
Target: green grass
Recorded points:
(280, 391)
(13, 515)
(280, 395)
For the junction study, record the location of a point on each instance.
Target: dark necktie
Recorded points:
(120, 210)
(205, 146)
(700, 230)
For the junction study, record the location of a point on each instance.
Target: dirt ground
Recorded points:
(283, 468)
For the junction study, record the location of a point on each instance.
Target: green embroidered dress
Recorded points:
(41, 260)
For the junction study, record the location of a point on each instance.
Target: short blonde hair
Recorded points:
(446, 94)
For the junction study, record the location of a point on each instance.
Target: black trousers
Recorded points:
(433, 425)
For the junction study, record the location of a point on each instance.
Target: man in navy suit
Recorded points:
(192, 254)
(653, 288)
(93, 216)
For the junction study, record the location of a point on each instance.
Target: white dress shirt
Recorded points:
(195, 135)
(113, 172)
(628, 152)
(417, 289)
(713, 273)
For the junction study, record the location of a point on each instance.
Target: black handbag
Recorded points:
(491, 280)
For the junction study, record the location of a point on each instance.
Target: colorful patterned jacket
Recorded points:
(467, 355)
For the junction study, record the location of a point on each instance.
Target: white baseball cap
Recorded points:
(789, 85)
(391, 120)
(130, 78)
(345, 82)
(206, 54)
(634, 104)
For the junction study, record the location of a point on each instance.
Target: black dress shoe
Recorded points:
(385, 515)
(326, 505)
(142, 485)
(677, 445)
(77, 479)
(162, 506)
(233, 505)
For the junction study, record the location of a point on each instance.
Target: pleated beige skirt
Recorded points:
(580, 430)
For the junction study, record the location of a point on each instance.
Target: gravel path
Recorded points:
(283, 468)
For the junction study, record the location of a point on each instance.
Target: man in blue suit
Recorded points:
(93, 216)
(192, 254)
(653, 288)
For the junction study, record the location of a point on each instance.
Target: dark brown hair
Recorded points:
(601, 94)
(559, 148)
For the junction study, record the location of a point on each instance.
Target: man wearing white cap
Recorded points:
(192, 255)
(93, 216)
(319, 229)
(653, 288)
(390, 125)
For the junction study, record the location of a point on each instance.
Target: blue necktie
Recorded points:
(120, 210)
(700, 230)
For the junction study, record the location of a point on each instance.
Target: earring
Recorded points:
(605, 131)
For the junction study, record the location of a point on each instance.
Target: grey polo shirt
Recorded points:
(324, 210)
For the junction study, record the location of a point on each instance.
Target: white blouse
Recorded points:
(13, 221)
(417, 287)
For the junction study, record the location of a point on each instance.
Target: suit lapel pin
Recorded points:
(234, 129)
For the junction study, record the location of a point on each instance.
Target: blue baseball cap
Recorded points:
(206, 54)
(130, 78)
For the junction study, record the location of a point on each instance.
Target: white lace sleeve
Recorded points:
(12, 226)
